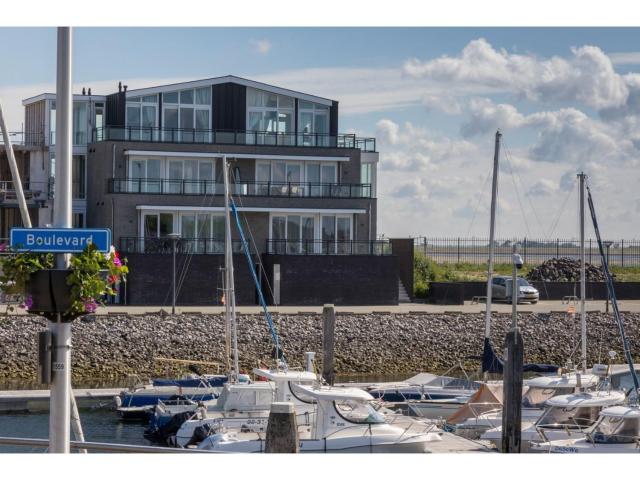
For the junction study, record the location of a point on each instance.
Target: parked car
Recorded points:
(501, 290)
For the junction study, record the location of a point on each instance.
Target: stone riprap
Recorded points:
(114, 346)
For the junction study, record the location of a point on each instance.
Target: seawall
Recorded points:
(114, 346)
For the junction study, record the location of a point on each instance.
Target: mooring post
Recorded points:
(328, 340)
(282, 429)
(512, 405)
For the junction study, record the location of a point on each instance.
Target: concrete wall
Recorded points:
(548, 290)
(149, 280)
(403, 249)
(341, 280)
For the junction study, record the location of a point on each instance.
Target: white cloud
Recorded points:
(625, 58)
(587, 76)
(443, 103)
(262, 46)
(543, 188)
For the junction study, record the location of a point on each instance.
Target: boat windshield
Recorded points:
(358, 412)
(571, 417)
(536, 396)
(616, 430)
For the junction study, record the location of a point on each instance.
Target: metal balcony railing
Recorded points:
(249, 189)
(32, 191)
(29, 139)
(232, 137)
(183, 245)
(329, 247)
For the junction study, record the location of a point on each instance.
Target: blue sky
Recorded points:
(566, 99)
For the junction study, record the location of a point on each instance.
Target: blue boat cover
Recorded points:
(491, 363)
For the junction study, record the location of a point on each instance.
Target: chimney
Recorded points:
(119, 86)
(84, 91)
(125, 88)
(89, 91)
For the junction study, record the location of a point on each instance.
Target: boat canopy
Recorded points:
(621, 411)
(336, 393)
(587, 399)
(488, 397)
(563, 381)
(286, 376)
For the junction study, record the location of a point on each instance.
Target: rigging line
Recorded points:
(526, 195)
(477, 202)
(253, 242)
(515, 186)
(263, 303)
(554, 224)
(612, 292)
(187, 261)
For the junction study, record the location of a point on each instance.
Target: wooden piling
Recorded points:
(328, 341)
(282, 429)
(512, 401)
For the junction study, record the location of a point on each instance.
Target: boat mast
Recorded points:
(230, 297)
(494, 195)
(583, 277)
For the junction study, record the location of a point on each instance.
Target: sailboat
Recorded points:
(618, 428)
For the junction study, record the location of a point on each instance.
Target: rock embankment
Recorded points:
(114, 346)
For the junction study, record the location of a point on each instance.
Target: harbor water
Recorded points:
(99, 424)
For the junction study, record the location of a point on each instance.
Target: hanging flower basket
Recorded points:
(91, 277)
(49, 291)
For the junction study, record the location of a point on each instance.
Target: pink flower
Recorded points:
(3, 247)
(27, 303)
(116, 261)
(90, 305)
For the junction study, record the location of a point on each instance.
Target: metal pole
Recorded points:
(494, 195)
(608, 244)
(60, 415)
(173, 282)
(583, 277)
(515, 291)
(15, 173)
(513, 359)
(230, 297)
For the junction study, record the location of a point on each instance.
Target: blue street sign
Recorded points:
(59, 240)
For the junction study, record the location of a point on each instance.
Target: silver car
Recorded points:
(501, 290)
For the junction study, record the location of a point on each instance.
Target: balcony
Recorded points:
(159, 186)
(328, 247)
(26, 139)
(35, 192)
(232, 137)
(211, 246)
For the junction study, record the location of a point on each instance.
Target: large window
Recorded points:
(313, 124)
(79, 120)
(310, 233)
(142, 117)
(286, 178)
(78, 181)
(199, 232)
(186, 115)
(270, 118)
(78, 175)
(171, 175)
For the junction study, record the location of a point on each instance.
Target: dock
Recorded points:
(37, 401)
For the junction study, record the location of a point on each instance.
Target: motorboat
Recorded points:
(344, 421)
(617, 430)
(246, 407)
(137, 402)
(565, 417)
(426, 395)
(484, 410)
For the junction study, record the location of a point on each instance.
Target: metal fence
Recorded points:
(623, 253)
(329, 247)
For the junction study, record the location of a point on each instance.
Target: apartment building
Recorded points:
(147, 163)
